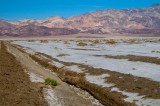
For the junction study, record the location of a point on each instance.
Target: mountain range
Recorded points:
(137, 21)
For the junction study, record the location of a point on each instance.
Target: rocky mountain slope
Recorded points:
(31, 30)
(133, 21)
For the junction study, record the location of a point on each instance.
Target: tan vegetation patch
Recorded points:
(132, 41)
(82, 44)
(66, 42)
(31, 40)
(152, 40)
(44, 41)
(111, 41)
(96, 41)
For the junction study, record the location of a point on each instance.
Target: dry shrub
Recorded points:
(54, 40)
(77, 41)
(44, 41)
(71, 40)
(152, 40)
(66, 42)
(111, 41)
(96, 41)
(132, 41)
(31, 40)
(82, 44)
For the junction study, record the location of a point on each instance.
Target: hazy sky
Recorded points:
(38, 9)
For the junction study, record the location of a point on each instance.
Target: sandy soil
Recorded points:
(15, 86)
(66, 96)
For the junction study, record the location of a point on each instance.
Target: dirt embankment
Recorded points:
(15, 86)
(63, 93)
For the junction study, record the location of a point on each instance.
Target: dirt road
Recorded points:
(66, 96)
(15, 86)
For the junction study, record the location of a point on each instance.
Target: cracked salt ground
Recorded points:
(35, 77)
(99, 80)
(143, 49)
(142, 69)
(74, 68)
(59, 65)
(131, 97)
(139, 100)
(51, 97)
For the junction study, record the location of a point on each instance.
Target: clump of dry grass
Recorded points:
(111, 41)
(133, 41)
(96, 41)
(152, 40)
(44, 41)
(54, 40)
(82, 44)
(66, 42)
(31, 40)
